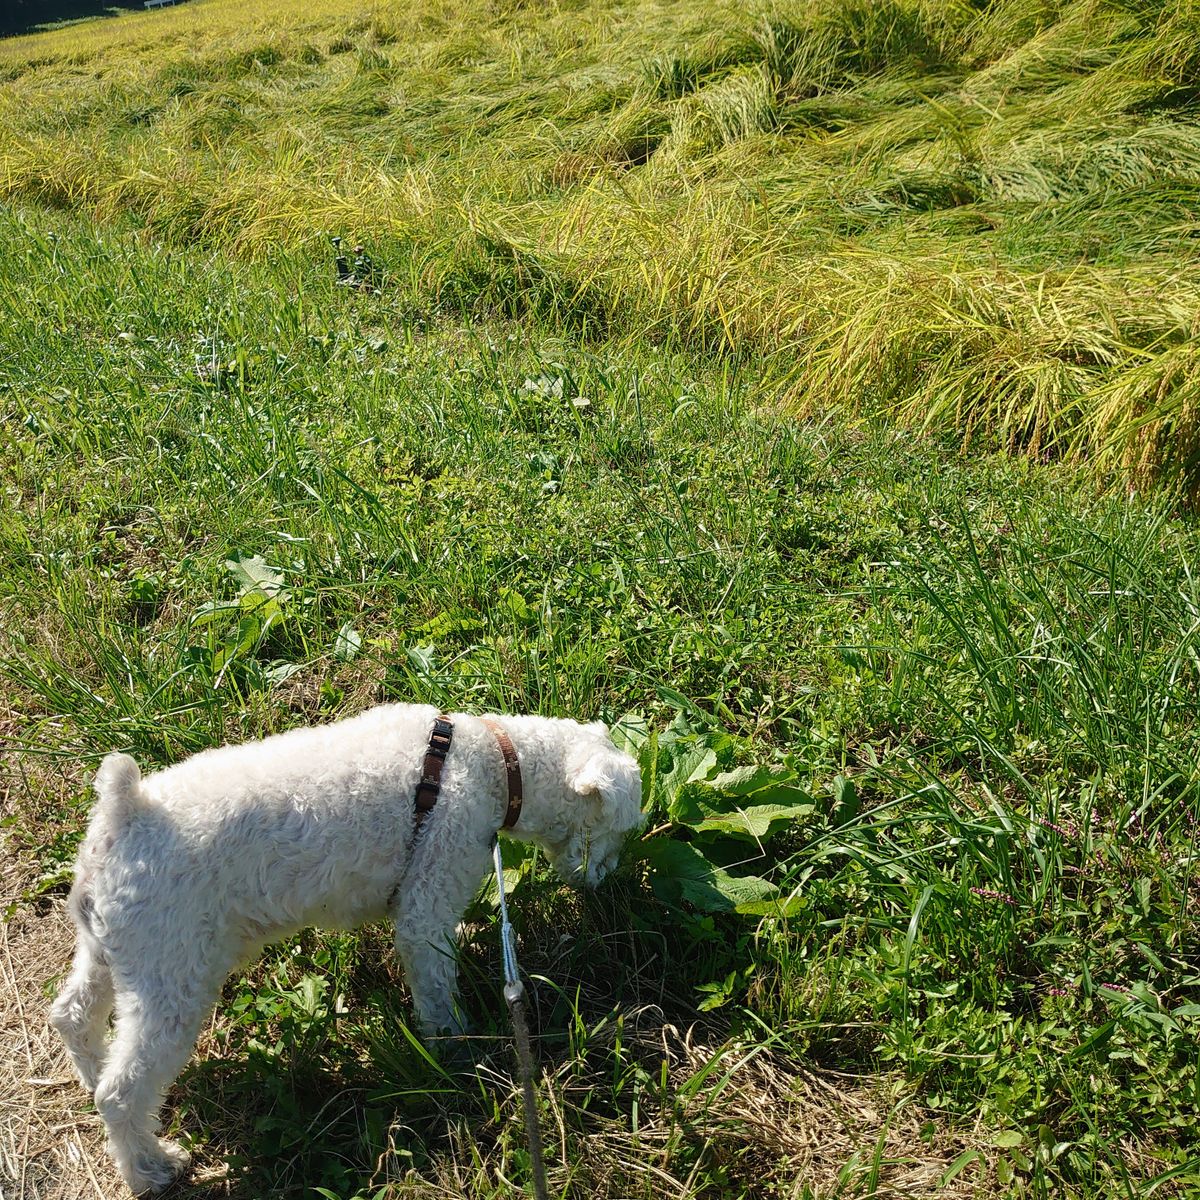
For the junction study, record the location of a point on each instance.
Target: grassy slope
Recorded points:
(967, 217)
(997, 925)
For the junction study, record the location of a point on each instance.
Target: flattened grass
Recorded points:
(974, 221)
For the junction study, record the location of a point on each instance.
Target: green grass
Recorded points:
(982, 672)
(972, 219)
(555, 463)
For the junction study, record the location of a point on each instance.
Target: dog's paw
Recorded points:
(88, 1069)
(459, 1052)
(151, 1173)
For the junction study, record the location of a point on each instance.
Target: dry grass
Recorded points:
(50, 1143)
(769, 1117)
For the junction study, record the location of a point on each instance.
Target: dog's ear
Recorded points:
(589, 778)
(607, 778)
(589, 773)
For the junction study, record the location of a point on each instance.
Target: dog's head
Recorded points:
(604, 804)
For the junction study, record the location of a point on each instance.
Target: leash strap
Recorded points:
(514, 994)
(508, 948)
(428, 790)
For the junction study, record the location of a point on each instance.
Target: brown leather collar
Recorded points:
(440, 740)
(512, 768)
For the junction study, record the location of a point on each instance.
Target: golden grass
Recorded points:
(981, 223)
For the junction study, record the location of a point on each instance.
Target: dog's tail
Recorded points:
(119, 795)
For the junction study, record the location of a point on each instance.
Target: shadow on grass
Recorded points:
(325, 1084)
(29, 16)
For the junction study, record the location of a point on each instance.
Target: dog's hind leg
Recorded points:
(81, 1011)
(155, 1033)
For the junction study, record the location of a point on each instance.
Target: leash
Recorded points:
(426, 798)
(514, 994)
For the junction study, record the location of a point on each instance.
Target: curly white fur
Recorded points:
(188, 873)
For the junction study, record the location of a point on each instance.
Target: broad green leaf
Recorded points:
(256, 574)
(716, 993)
(774, 906)
(690, 761)
(447, 623)
(279, 672)
(516, 605)
(513, 854)
(348, 642)
(845, 801)
(631, 732)
(213, 611)
(721, 891)
(648, 761)
(260, 607)
(310, 993)
(688, 804)
(422, 657)
(746, 781)
(238, 642)
(681, 872)
(513, 878)
(678, 860)
(754, 821)
(1151, 957)
(746, 802)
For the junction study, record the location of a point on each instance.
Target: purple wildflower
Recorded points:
(989, 894)
(1070, 831)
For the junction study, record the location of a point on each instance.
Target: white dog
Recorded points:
(188, 873)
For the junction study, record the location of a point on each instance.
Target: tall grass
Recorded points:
(970, 220)
(1050, 657)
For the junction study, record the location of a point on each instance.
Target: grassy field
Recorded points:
(553, 463)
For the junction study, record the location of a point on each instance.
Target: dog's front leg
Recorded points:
(426, 913)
